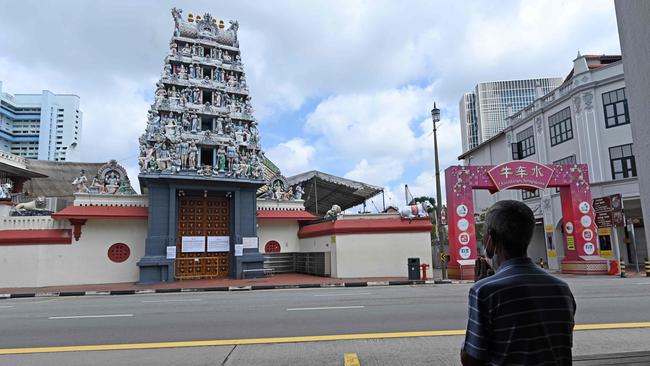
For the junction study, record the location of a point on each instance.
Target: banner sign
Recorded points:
(609, 211)
(524, 174)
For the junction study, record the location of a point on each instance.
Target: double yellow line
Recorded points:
(251, 341)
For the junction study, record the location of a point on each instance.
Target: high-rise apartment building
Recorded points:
(483, 112)
(470, 131)
(44, 126)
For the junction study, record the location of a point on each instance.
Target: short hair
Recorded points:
(510, 224)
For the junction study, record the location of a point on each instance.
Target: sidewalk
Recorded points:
(278, 281)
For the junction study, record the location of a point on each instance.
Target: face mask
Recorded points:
(495, 262)
(490, 252)
(489, 248)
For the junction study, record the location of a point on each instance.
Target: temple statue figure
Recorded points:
(203, 56)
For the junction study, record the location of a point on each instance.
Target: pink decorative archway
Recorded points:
(581, 254)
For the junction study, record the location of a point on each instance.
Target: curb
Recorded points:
(227, 288)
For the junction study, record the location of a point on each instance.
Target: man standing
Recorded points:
(521, 315)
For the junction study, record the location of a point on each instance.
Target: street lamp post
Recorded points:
(435, 116)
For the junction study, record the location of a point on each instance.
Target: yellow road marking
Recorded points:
(611, 326)
(250, 341)
(351, 359)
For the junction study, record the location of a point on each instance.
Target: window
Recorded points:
(568, 160)
(615, 108)
(525, 146)
(560, 127)
(622, 161)
(526, 195)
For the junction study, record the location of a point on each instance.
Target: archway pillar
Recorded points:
(575, 193)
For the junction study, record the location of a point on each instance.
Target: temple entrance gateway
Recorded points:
(201, 161)
(581, 249)
(203, 221)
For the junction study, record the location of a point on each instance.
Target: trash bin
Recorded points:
(414, 268)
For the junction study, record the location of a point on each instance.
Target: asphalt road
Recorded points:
(69, 321)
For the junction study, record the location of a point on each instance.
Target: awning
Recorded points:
(11, 170)
(101, 212)
(26, 237)
(365, 226)
(287, 215)
(328, 190)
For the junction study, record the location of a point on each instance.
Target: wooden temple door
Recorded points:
(202, 217)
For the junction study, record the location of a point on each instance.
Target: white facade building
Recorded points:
(483, 112)
(585, 120)
(470, 131)
(44, 126)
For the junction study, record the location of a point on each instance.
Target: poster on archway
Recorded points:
(581, 250)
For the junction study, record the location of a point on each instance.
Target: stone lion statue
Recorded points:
(37, 204)
(333, 213)
(420, 209)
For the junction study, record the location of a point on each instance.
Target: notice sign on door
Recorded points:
(239, 250)
(193, 244)
(218, 243)
(171, 252)
(250, 243)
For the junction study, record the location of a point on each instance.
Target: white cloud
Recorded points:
(377, 172)
(370, 124)
(294, 156)
(372, 69)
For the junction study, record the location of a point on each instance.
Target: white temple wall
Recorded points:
(284, 232)
(380, 255)
(82, 262)
(372, 255)
(317, 244)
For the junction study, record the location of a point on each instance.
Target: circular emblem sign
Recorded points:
(585, 221)
(461, 210)
(587, 234)
(465, 252)
(272, 247)
(584, 207)
(589, 248)
(569, 227)
(463, 224)
(119, 252)
(463, 238)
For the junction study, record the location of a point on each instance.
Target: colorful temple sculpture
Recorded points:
(201, 154)
(212, 205)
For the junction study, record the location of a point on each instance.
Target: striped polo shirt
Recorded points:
(520, 316)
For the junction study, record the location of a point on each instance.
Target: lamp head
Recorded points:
(435, 113)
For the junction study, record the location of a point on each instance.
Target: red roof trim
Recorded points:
(101, 212)
(365, 226)
(285, 215)
(35, 237)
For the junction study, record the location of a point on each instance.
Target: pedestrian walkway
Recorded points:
(283, 280)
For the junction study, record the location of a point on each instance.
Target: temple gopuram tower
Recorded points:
(201, 160)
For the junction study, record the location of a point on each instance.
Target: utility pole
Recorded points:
(435, 116)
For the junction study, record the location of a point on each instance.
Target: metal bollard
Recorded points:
(623, 269)
(647, 267)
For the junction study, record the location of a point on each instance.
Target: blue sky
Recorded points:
(341, 86)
